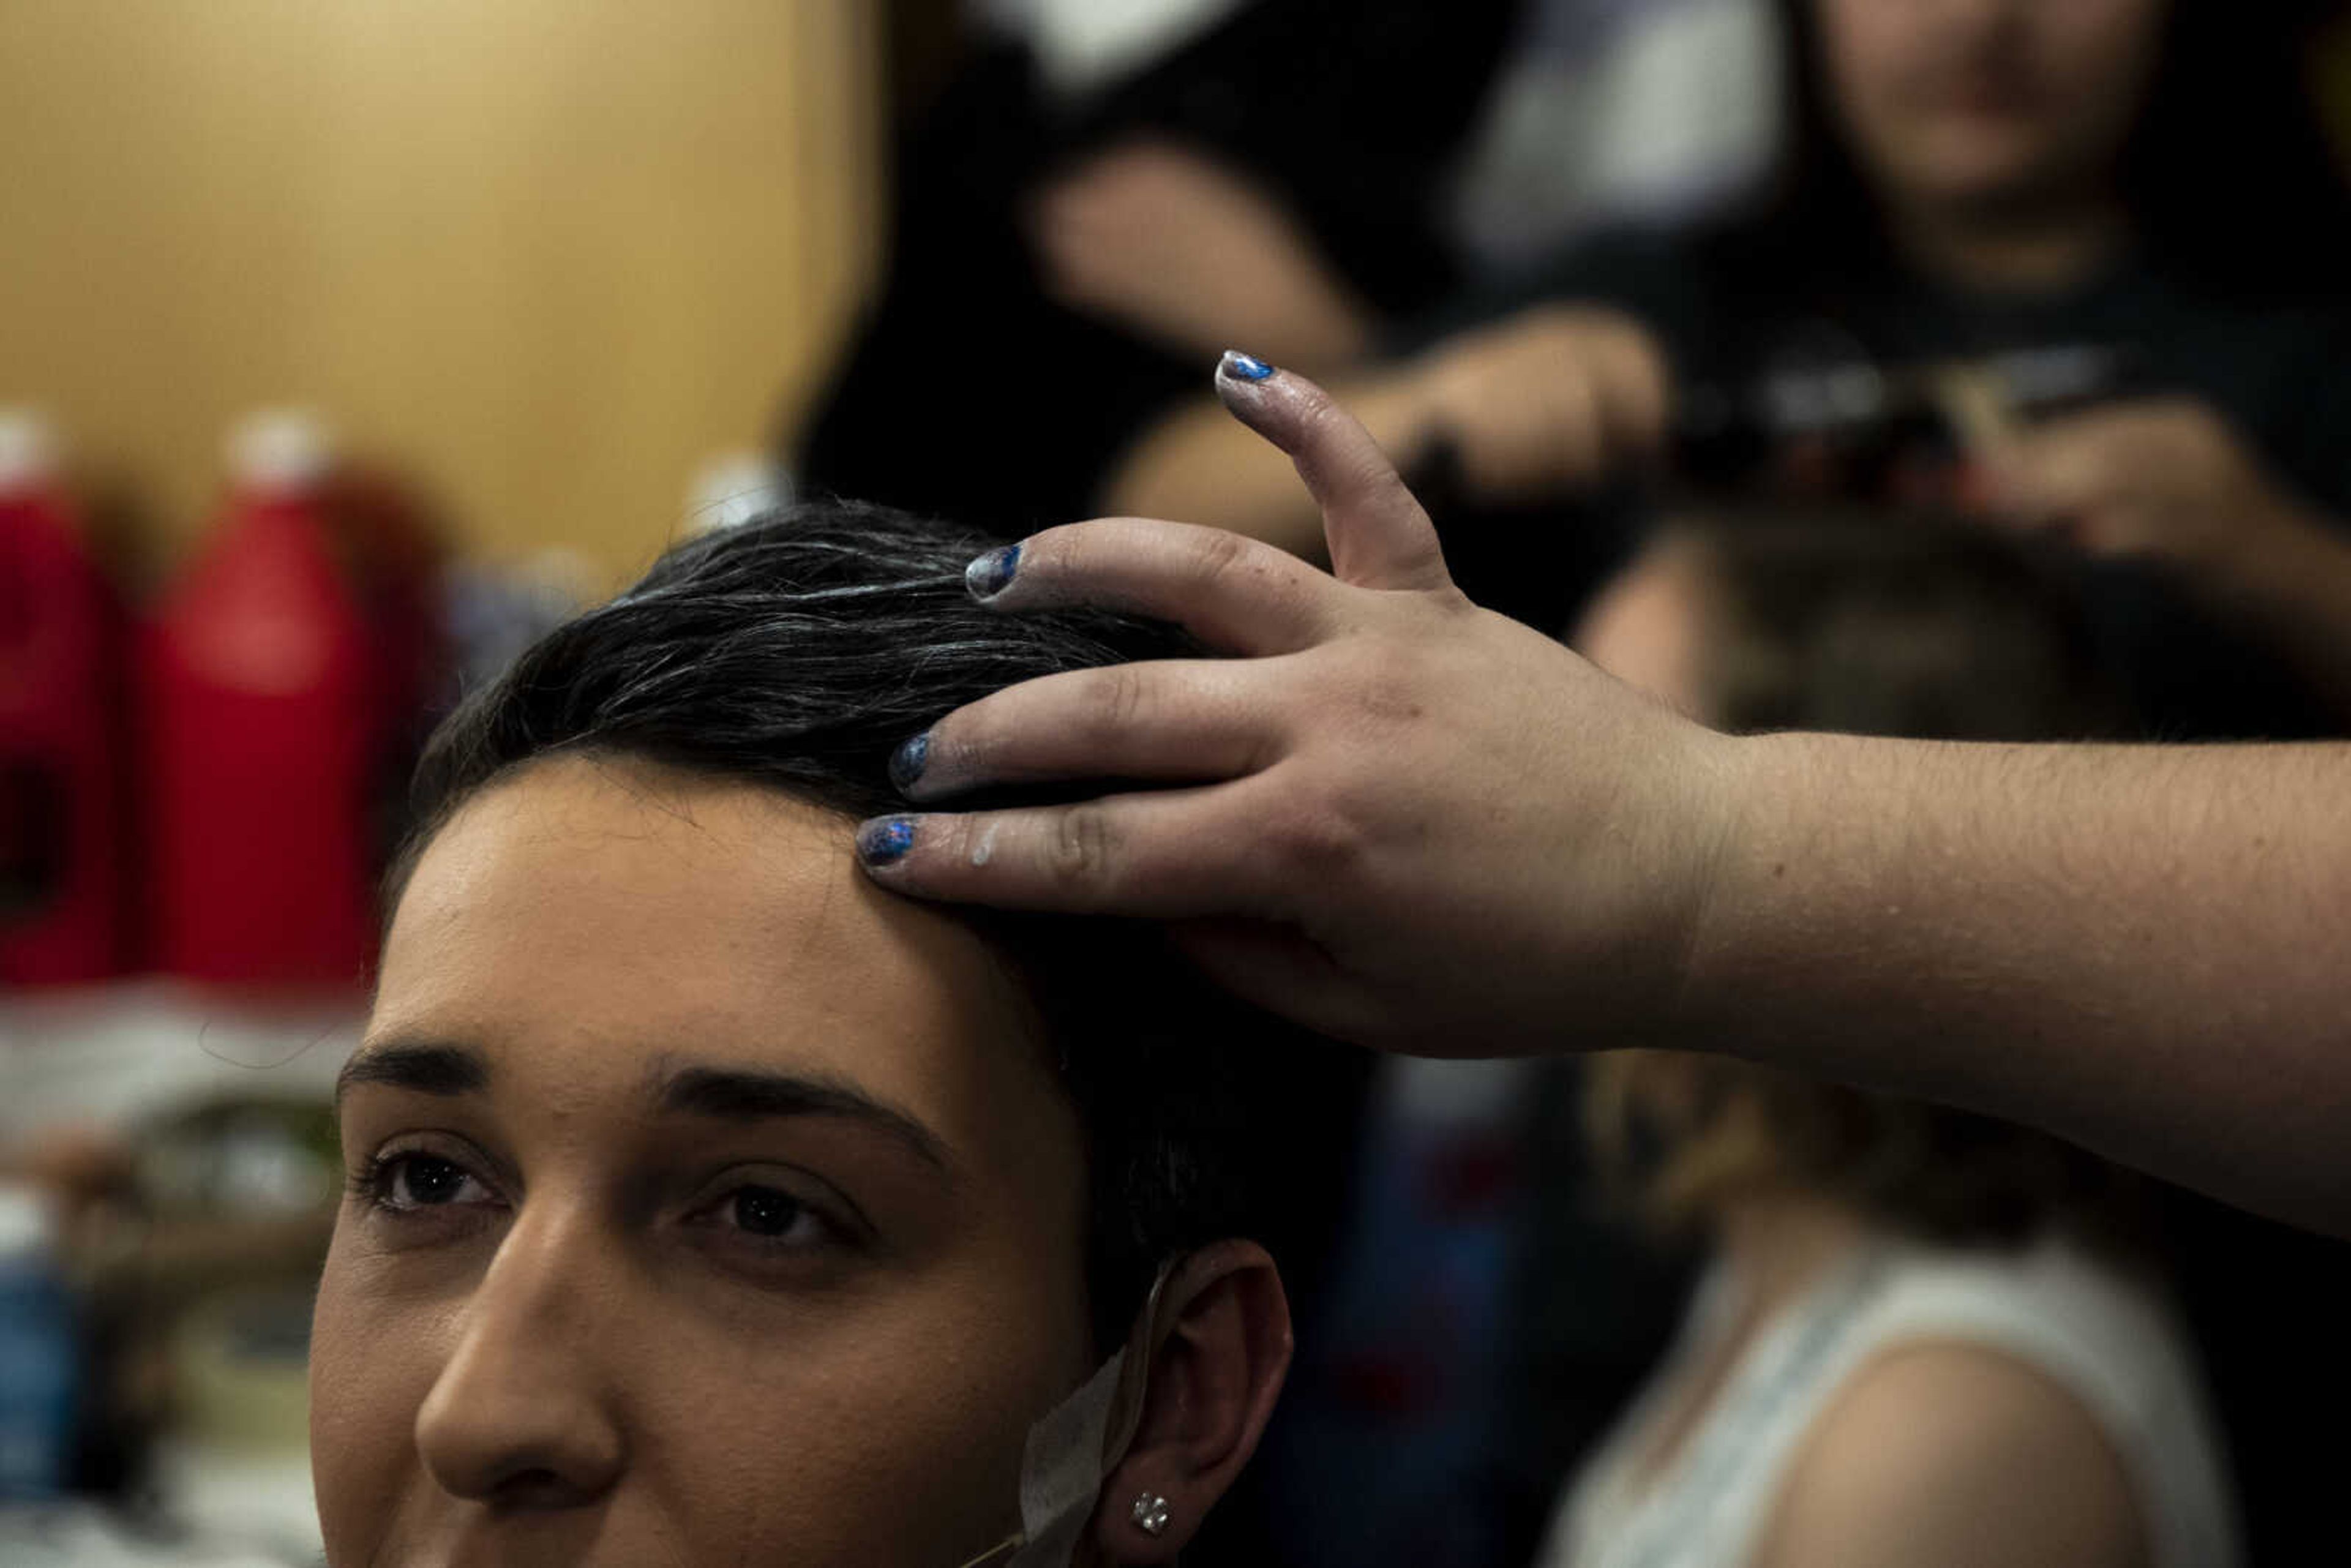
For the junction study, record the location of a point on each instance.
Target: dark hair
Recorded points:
(1867, 626)
(2228, 174)
(796, 651)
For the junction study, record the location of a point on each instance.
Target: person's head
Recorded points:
(2192, 116)
(1866, 626)
(709, 1205)
(1988, 103)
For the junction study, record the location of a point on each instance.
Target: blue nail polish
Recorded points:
(1247, 367)
(907, 762)
(885, 840)
(986, 577)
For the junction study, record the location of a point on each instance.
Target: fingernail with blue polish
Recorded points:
(1245, 366)
(988, 576)
(885, 840)
(907, 762)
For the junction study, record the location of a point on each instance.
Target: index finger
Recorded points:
(1236, 594)
(1378, 534)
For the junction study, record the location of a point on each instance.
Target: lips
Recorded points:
(1989, 94)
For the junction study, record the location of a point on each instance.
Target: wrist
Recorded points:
(1777, 879)
(1747, 786)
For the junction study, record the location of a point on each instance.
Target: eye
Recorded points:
(777, 1218)
(405, 1181)
(777, 1215)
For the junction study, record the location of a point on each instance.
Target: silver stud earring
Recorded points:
(1151, 1513)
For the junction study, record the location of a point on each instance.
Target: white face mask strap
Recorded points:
(1075, 1444)
(995, 1554)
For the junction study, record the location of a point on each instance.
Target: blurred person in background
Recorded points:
(1925, 1337)
(2138, 179)
(1118, 191)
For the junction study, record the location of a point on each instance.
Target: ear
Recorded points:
(1216, 1367)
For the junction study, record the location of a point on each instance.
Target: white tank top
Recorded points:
(2102, 1335)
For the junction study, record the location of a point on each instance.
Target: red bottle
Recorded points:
(64, 774)
(263, 702)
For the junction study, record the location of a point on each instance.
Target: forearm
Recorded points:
(2148, 950)
(1199, 466)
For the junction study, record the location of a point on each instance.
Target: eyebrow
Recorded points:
(716, 1094)
(753, 1095)
(423, 1068)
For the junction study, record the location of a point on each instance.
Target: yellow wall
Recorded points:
(547, 255)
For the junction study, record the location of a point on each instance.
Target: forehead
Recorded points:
(588, 914)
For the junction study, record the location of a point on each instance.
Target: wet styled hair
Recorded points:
(796, 651)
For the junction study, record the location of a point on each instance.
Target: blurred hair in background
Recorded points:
(1851, 1229)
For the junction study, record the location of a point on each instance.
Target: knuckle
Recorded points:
(1079, 846)
(1320, 840)
(1122, 701)
(1052, 555)
(1377, 479)
(1319, 420)
(1217, 553)
(1385, 669)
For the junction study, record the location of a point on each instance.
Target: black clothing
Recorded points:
(1349, 112)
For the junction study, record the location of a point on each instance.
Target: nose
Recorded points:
(523, 1413)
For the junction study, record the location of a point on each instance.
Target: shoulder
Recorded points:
(1944, 1454)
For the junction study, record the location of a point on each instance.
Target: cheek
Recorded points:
(370, 1368)
(2107, 54)
(878, 1427)
(904, 1447)
(881, 1430)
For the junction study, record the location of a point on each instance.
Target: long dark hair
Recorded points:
(2230, 176)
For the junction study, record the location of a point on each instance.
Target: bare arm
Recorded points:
(1955, 1456)
(1551, 401)
(2148, 949)
(1194, 255)
(1196, 466)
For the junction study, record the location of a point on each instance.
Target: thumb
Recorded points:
(1379, 535)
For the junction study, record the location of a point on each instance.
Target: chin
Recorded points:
(1986, 167)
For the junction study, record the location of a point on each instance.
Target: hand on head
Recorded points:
(1391, 815)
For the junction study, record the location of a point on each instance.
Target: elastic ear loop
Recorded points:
(1059, 1468)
